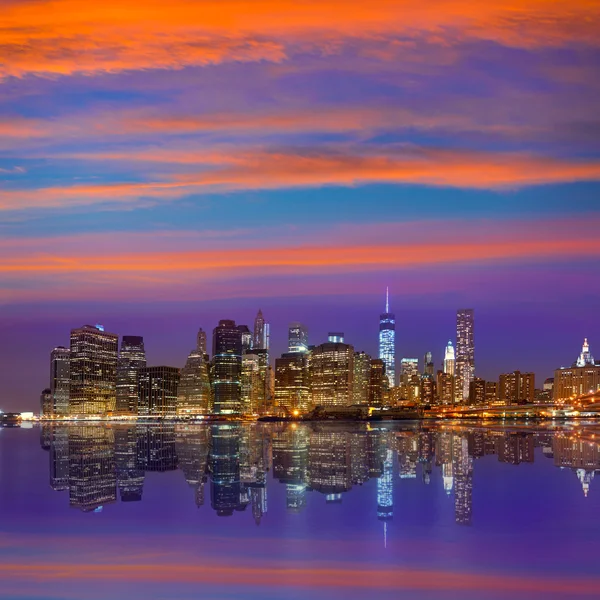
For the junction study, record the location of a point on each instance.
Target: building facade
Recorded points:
(465, 352)
(60, 380)
(297, 337)
(292, 392)
(387, 341)
(331, 372)
(227, 368)
(157, 389)
(93, 371)
(132, 358)
(517, 388)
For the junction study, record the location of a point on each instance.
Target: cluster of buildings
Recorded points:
(229, 462)
(97, 377)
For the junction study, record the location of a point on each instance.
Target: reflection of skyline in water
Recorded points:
(98, 465)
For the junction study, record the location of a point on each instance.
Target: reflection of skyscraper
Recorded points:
(59, 458)
(362, 377)
(387, 341)
(93, 371)
(462, 464)
(192, 446)
(92, 480)
(329, 467)
(227, 368)
(130, 476)
(156, 448)
(297, 338)
(290, 464)
(225, 468)
(131, 359)
(385, 489)
(465, 352)
(60, 380)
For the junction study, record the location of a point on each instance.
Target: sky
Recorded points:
(163, 166)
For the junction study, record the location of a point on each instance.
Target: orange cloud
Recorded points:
(285, 575)
(346, 166)
(60, 37)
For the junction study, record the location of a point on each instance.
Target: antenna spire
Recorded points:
(387, 299)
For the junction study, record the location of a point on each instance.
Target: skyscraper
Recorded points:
(131, 359)
(297, 338)
(449, 359)
(158, 391)
(227, 368)
(362, 378)
(93, 371)
(387, 340)
(465, 352)
(261, 332)
(291, 382)
(201, 341)
(331, 373)
(194, 393)
(428, 366)
(60, 380)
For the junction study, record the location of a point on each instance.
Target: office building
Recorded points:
(465, 353)
(378, 382)
(428, 366)
(580, 379)
(362, 378)
(449, 359)
(261, 333)
(247, 338)
(445, 388)
(517, 388)
(477, 389)
(387, 340)
(297, 337)
(227, 368)
(194, 391)
(131, 359)
(331, 374)
(409, 368)
(157, 390)
(291, 383)
(93, 371)
(60, 380)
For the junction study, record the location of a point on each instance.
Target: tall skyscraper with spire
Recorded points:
(387, 340)
(449, 359)
(261, 333)
(465, 352)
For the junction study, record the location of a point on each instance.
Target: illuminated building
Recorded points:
(445, 388)
(427, 392)
(362, 378)
(251, 383)
(331, 374)
(449, 359)
(517, 388)
(92, 475)
(261, 333)
(465, 353)
(131, 359)
(247, 338)
(582, 378)
(60, 380)
(291, 383)
(192, 444)
(387, 340)
(46, 407)
(409, 367)
(378, 382)
(297, 338)
(477, 391)
(93, 371)
(194, 391)
(491, 391)
(227, 368)
(585, 358)
(428, 366)
(157, 389)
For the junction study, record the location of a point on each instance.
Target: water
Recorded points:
(297, 511)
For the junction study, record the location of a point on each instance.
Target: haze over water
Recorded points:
(298, 510)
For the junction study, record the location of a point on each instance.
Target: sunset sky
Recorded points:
(167, 164)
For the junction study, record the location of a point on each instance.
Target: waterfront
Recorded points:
(285, 510)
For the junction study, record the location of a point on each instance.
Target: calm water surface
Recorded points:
(297, 511)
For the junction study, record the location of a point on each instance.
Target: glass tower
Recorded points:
(60, 380)
(227, 368)
(387, 340)
(465, 352)
(131, 359)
